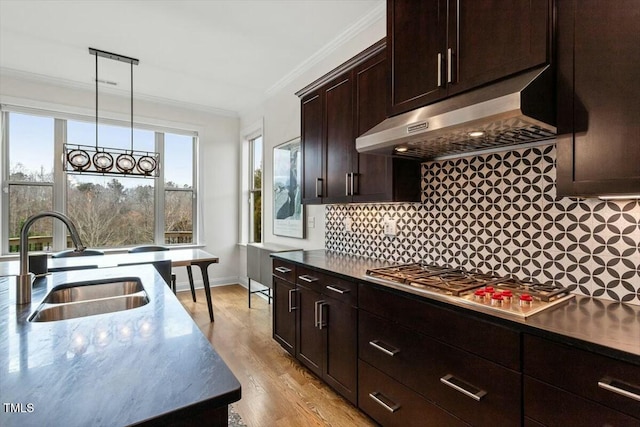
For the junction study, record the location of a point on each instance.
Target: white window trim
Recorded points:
(247, 134)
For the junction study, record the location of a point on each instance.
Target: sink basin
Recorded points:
(87, 308)
(81, 299)
(93, 290)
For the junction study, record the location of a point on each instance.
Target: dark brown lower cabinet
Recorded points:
(391, 403)
(284, 314)
(472, 388)
(327, 338)
(551, 406)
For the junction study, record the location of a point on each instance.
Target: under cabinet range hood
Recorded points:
(513, 111)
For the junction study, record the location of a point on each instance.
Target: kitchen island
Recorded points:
(149, 365)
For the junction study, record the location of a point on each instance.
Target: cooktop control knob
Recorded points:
(526, 300)
(497, 299)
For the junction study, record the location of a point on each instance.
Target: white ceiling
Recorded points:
(217, 55)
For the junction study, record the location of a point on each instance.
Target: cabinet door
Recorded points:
(310, 343)
(339, 142)
(598, 98)
(416, 39)
(312, 185)
(284, 314)
(491, 39)
(340, 370)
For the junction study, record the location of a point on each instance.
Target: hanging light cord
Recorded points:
(96, 102)
(132, 108)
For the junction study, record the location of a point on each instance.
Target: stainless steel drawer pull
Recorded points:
(308, 279)
(283, 269)
(388, 350)
(462, 387)
(318, 317)
(346, 184)
(291, 307)
(377, 397)
(338, 290)
(624, 389)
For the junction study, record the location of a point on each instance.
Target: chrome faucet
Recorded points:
(23, 281)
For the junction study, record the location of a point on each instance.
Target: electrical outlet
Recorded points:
(347, 225)
(311, 222)
(389, 226)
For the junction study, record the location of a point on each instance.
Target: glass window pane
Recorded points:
(24, 201)
(178, 217)
(257, 163)
(111, 212)
(29, 135)
(178, 161)
(84, 133)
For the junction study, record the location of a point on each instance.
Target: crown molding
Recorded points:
(56, 81)
(365, 22)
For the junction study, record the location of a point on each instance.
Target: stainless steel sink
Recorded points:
(93, 290)
(73, 300)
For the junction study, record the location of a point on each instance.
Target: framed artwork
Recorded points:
(288, 212)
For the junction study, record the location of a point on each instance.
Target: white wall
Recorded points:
(281, 116)
(219, 154)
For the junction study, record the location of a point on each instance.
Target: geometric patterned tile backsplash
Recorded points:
(499, 212)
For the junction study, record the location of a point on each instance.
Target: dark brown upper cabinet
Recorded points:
(598, 147)
(335, 110)
(438, 48)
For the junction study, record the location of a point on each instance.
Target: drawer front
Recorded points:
(494, 342)
(470, 387)
(392, 404)
(284, 270)
(586, 374)
(551, 406)
(327, 284)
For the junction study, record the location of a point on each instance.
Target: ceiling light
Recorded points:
(401, 149)
(476, 134)
(86, 159)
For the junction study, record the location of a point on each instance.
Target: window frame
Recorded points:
(60, 180)
(254, 191)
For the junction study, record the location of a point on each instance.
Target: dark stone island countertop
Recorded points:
(606, 327)
(112, 369)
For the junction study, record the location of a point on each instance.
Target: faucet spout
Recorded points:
(23, 281)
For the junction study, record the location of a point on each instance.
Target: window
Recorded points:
(179, 197)
(255, 190)
(109, 211)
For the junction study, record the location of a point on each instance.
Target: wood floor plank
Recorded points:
(276, 389)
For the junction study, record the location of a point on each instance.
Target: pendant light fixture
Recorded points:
(85, 159)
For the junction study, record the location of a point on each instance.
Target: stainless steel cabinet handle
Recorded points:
(379, 345)
(308, 279)
(338, 290)
(317, 315)
(318, 190)
(283, 269)
(439, 70)
(621, 388)
(321, 323)
(291, 307)
(456, 384)
(393, 407)
(353, 191)
(449, 65)
(346, 184)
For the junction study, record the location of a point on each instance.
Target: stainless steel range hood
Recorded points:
(514, 111)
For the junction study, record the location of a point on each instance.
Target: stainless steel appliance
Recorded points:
(507, 297)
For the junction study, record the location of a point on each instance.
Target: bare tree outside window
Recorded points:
(255, 198)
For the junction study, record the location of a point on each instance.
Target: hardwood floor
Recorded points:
(276, 389)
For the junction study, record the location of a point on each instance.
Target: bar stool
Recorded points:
(154, 248)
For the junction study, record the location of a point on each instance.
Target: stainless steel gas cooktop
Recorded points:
(506, 296)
